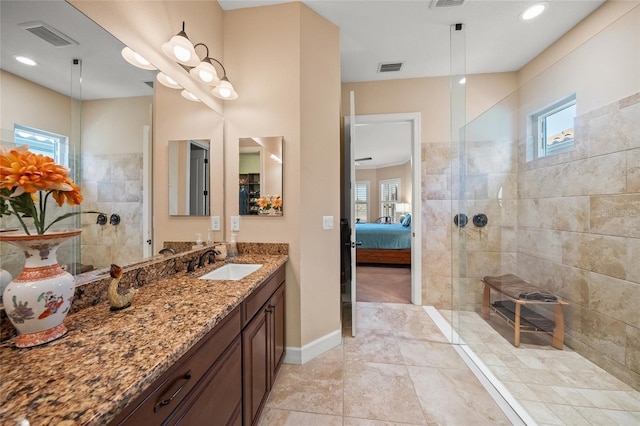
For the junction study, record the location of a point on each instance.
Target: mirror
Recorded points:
(189, 178)
(111, 118)
(260, 176)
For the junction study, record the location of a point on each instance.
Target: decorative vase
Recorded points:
(38, 300)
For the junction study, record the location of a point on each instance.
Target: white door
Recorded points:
(352, 216)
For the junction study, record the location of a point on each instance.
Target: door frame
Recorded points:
(413, 118)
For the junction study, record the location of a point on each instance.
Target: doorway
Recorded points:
(378, 124)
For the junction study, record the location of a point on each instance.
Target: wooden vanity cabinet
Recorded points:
(208, 365)
(225, 378)
(263, 344)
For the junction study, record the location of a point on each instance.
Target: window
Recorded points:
(362, 201)
(42, 142)
(553, 128)
(389, 197)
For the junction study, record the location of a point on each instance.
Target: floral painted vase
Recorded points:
(38, 300)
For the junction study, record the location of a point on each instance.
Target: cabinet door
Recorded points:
(276, 310)
(217, 401)
(255, 366)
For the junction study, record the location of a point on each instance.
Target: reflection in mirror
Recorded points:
(89, 94)
(189, 178)
(260, 168)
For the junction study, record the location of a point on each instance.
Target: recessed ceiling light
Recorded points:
(463, 80)
(26, 61)
(533, 11)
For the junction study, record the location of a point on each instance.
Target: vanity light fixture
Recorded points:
(225, 90)
(181, 50)
(204, 72)
(167, 81)
(188, 95)
(135, 59)
(276, 158)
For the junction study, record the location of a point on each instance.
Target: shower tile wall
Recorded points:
(112, 183)
(579, 234)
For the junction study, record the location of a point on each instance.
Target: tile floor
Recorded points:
(399, 370)
(555, 387)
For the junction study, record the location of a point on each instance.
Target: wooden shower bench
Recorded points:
(513, 310)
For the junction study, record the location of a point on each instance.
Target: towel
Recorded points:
(536, 295)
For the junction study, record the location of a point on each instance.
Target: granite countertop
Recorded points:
(107, 358)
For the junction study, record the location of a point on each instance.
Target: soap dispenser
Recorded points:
(233, 245)
(198, 241)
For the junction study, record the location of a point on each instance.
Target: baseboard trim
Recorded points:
(296, 355)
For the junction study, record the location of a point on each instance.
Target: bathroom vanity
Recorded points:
(188, 351)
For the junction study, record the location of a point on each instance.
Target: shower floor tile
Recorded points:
(555, 387)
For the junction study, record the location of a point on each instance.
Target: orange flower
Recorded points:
(263, 202)
(29, 172)
(27, 180)
(277, 202)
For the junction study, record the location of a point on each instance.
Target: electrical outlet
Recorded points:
(327, 222)
(215, 223)
(235, 223)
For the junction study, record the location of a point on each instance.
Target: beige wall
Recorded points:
(53, 111)
(281, 97)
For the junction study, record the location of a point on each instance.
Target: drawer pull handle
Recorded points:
(164, 402)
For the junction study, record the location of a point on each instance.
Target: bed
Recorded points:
(383, 243)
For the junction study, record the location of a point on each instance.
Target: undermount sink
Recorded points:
(231, 271)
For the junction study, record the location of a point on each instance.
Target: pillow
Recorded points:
(407, 220)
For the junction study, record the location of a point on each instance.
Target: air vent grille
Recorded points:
(48, 33)
(446, 3)
(390, 67)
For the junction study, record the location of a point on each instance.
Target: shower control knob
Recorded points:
(480, 220)
(461, 220)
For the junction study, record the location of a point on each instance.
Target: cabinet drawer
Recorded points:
(261, 295)
(166, 393)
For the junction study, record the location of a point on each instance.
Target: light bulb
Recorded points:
(225, 92)
(181, 53)
(206, 76)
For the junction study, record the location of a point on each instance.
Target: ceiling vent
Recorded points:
(390, 67)
(48, 33)
(446, 3)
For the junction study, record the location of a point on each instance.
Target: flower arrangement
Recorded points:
(268, 202)
(26, 182)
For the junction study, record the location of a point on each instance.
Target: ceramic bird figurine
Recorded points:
(118, 301)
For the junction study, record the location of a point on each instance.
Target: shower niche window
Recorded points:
(553, 128)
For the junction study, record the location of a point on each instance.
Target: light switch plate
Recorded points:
(215, 223)
(327, 222)
(235, 223)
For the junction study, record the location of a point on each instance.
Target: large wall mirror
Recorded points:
(189, 178)
(260, 169)
(106, 119)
